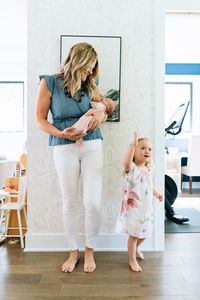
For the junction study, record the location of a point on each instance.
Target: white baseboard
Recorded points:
(47, 242)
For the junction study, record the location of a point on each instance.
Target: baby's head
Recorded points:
(143, 152)
(109, 104)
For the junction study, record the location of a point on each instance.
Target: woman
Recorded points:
(68, 95)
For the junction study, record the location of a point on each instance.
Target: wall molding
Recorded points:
(159, 71)
(56, 242)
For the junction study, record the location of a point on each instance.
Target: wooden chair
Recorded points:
(193, 163)
(18, 206)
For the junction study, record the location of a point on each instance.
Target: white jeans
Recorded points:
(71, 161)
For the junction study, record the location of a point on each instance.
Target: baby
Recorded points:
(105, 104)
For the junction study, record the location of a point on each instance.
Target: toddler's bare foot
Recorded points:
(135, 267)
(139, 254)
(89, 264)
(71, 262)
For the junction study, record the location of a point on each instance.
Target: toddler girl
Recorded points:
(135, 215)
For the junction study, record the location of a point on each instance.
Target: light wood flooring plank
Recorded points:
(28, 290)
(125, 290)
(96, 298)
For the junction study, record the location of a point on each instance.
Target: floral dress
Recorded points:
(135, 217)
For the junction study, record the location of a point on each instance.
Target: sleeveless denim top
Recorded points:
(66, 111)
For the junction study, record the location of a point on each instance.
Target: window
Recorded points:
(11, 106)
(177, 93)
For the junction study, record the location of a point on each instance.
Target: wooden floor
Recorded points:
(185, 193)
(170, 275)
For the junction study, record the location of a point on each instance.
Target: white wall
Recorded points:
(13, 41)
(134, 21)
(182, 39)
(181, 5)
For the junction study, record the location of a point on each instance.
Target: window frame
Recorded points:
(23, 108)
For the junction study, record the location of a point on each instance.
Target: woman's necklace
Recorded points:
(68, 94)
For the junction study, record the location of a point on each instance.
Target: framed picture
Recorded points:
(108, 49)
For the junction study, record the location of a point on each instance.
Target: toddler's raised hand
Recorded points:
(135, 141)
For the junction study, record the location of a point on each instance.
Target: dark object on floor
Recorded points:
(171, 193)
(187, 227)
(179, 219)
(171, 190)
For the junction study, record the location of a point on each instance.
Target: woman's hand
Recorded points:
(70, 134)
(97, 119)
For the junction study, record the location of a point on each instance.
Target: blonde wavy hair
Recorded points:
(148, 164)
(80, 56)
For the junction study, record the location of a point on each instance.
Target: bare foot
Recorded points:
(139, 254)
(135, 267)
(71, 262)
(89, 264)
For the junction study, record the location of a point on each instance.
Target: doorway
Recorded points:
(182, 85)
